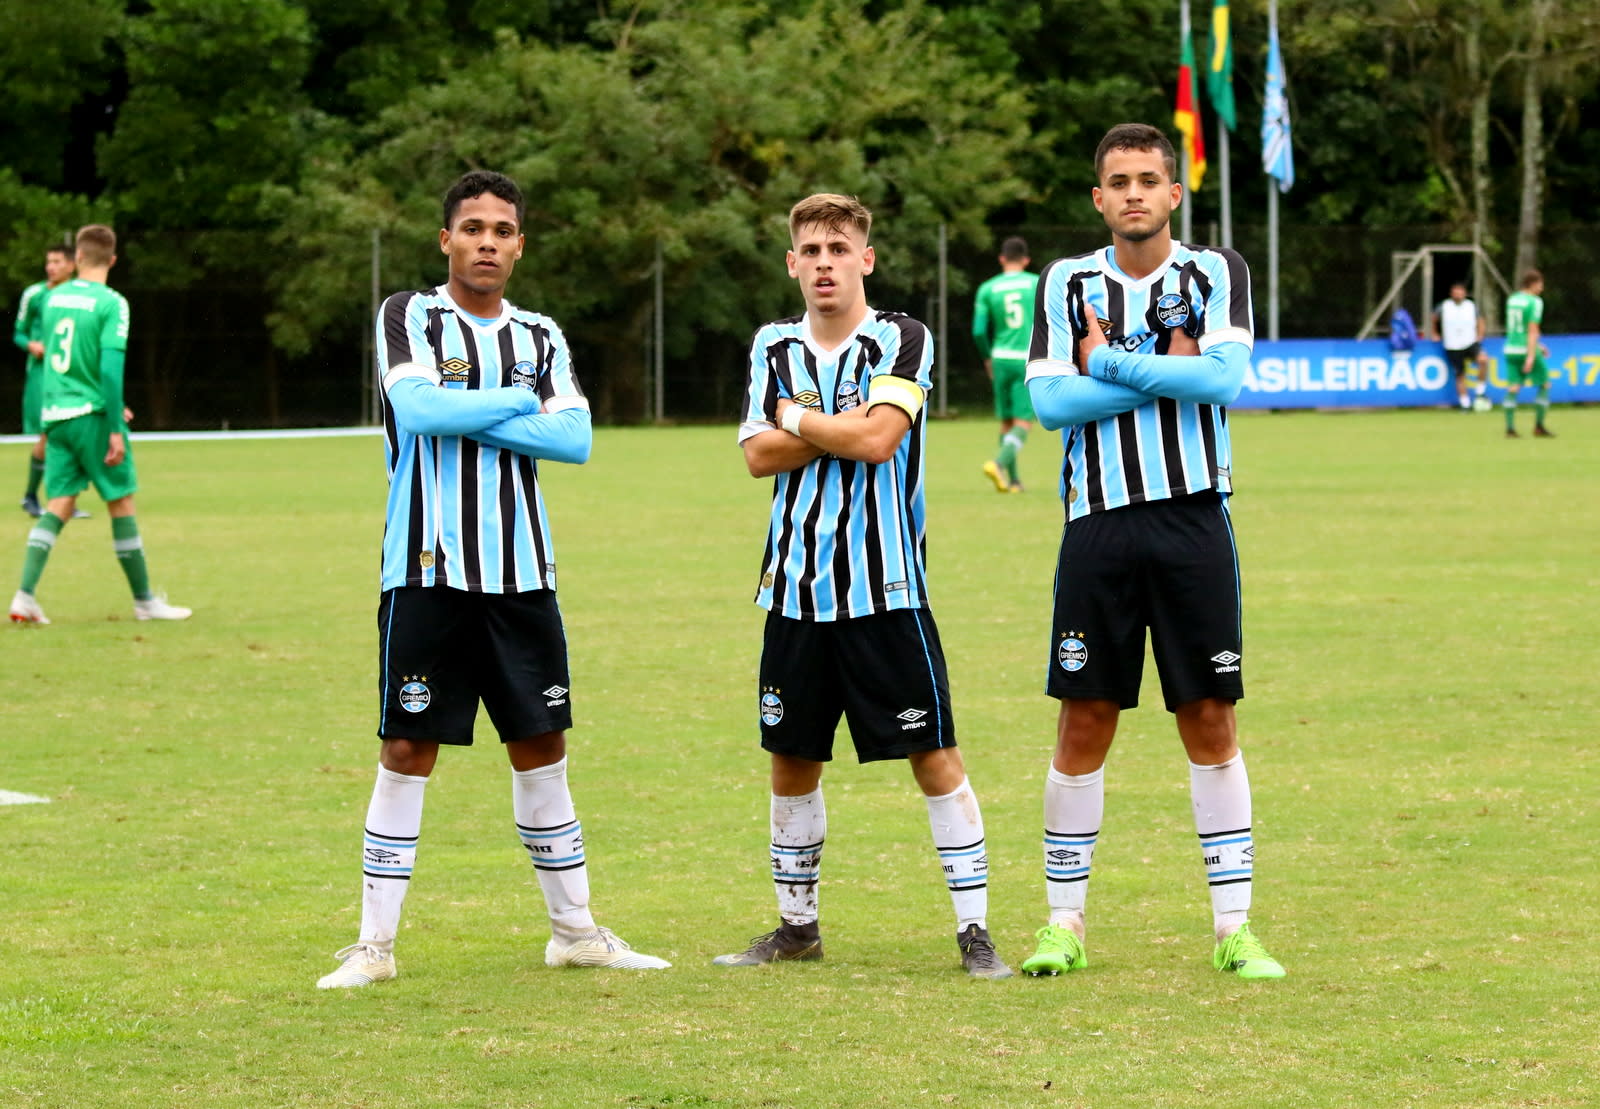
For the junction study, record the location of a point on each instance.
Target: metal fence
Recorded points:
(200, 355)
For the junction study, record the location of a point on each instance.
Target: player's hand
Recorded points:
(1183, 343)
(117, 450)
(988, 368)
(777, 413)
(127, 414)
(35, 349)
(1093, 337)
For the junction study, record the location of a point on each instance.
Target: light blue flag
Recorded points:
(1277, 153)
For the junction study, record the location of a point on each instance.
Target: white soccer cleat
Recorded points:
(600, 948)
(25, 609)
(363, 965)
(156, 608)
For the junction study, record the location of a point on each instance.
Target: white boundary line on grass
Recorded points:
(264, 433)
(7, 797)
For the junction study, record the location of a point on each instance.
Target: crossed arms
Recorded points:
(512, 418)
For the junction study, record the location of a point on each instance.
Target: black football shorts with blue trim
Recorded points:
(442, 650)
(884, 673)
(1167, 565)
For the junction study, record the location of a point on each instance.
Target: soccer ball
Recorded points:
(1481, 404)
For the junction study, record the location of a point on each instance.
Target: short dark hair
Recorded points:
(97, 244)
(1136, 136)
(1014, 249)
(1530, 277)
(476, 183)
(58, 248)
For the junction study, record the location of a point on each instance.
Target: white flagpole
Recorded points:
(1186, 213)
(1227, 187)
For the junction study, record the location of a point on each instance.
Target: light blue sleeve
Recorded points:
(564, 436)
(1063, 400)
(423, 407)
(1215, 376)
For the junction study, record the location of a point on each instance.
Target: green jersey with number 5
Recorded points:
(83, 321)
(1522, 309)
(1002, 315)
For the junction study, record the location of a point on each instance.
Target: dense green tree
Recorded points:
(695, 130)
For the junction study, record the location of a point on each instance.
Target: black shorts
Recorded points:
(1168, 565)
(442, 650)
(1462, 360)
(884, 674)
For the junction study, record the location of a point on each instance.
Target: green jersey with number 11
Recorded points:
(1522, 309)
(83, 321)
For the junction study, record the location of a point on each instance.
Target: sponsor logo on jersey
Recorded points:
(771, 708)
(557, 695)
(896, 587)
(766, 580)
(524, 375)
(847, 396)
(809, 399)
(415, 695)
(425, 559)
(1227, 662)
(454, 369)
(1172, 310)
(1072, 654)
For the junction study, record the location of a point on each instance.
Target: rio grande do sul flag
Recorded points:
(1186, 117)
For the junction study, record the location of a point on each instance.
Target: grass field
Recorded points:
(1423, 671)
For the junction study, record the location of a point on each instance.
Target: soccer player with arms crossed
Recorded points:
(476, 391)
(834, 412)
(85, 328)
(1136, 350)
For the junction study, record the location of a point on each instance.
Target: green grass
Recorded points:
(1421, 665)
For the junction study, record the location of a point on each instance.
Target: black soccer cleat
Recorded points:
(787, 943)
(978, 956)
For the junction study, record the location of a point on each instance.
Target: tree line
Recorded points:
(249, 150)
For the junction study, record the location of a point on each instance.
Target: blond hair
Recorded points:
(97, 244)
(833, 211)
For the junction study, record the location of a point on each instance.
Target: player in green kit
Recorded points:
(30, 339)
(1002, 323)
(85, 328)
(1525, 354)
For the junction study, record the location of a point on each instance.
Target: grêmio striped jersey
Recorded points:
(462, 513)
(1164, 447)
(846, 538)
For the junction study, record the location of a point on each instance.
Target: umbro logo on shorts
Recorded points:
(1227, 662)
(912, 718)
(557, 695)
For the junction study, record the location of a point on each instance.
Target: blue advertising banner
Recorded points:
(1365, 373)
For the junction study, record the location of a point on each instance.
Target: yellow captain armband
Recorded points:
(898, 391)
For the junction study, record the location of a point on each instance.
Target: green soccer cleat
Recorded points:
(1243, 954)
(1060, 950)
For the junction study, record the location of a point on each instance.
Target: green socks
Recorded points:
(41, 541)
(35, 475)
(130, 555)
(1010, 446)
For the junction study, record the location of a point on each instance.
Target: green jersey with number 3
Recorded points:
(83, 321)
(1002, 316)
(1522, 309)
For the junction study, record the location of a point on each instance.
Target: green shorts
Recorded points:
(1011, 400)
(75, 458)
(1516, 378)
(33, 400)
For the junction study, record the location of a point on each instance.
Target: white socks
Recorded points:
(1221, 796)
(799, 825)
(1074, 805)
(389, 851)
(958, 837)
(548, 825)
